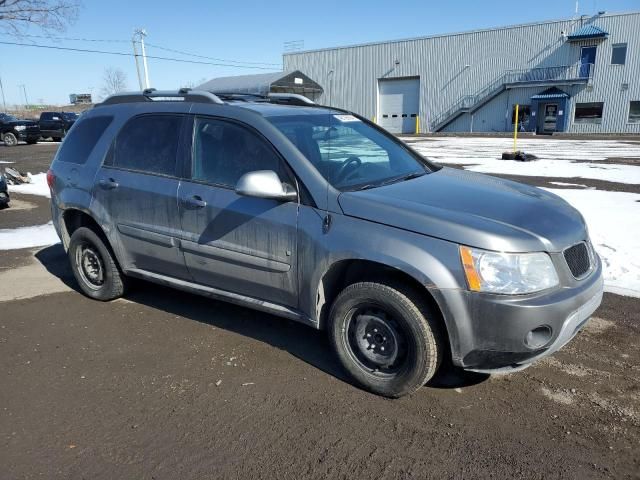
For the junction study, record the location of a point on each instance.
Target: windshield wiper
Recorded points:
(402, 178)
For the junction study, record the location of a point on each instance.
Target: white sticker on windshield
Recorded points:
(346, 118)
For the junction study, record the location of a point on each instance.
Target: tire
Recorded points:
(94, 266)
(10, 140)
(375, 315)
(32, 142)
(56, 139)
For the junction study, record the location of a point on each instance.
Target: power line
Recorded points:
(209, 58)
(123, 54)
(181, 52)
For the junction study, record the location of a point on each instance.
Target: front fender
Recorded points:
(432, 262)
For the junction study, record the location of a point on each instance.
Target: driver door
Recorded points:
(235, 243)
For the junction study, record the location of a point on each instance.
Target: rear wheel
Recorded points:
(385, 337)
(94, 266)
(10, 140)
(56, 139)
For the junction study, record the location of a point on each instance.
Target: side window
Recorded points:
(84, 135)
(148, 143)
(224, 151)
(46, 116)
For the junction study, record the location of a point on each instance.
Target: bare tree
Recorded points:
(115, 80)
(16, 16)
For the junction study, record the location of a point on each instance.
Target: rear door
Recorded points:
(231, 242)
(137, 187)
(46, 123)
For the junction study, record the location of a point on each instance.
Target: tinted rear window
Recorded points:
(147, 144)
(46, 116)
(79, 143)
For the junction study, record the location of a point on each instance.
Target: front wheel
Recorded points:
(94, 266)
(10, 140)
(385, 337)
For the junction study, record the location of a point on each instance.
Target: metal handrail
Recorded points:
(513, 77)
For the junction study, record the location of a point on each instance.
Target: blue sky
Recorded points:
(247, 30)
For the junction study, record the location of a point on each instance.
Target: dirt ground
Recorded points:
(165, 385)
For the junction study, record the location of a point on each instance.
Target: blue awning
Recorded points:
(550, 93)
(586, 33)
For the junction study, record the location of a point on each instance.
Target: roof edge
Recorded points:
(455, 34)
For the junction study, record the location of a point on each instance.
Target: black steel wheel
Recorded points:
(94, 266)
(386, 337)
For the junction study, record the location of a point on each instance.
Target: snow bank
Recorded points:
(614, 226)
(38, 186)
(27, 237)
(554, 156)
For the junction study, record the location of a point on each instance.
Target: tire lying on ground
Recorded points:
(386, 337)
(94, 266)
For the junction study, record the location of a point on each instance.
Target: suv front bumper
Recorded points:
(493, 332)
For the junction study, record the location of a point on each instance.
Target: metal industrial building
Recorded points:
(580, 76)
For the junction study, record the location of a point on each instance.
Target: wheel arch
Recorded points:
(74, 218)
(345, 272)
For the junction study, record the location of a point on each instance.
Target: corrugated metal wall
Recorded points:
(455, 65)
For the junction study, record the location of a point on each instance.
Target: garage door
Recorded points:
(399, 101)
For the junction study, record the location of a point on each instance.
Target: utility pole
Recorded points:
(135, 56)
(4, 101)
(140, 33)
(26, 100)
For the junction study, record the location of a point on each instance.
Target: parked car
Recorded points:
(4, 192)
(13, 130)
(320, 216)
(56, 124)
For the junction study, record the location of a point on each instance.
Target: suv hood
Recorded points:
(472, 209)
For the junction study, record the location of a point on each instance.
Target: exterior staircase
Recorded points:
(544, 76)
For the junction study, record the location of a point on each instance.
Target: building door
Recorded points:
(547, 122)
(587, 60)
(398, 104)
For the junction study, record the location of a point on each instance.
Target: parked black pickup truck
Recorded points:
(56, 124)
(13, 130)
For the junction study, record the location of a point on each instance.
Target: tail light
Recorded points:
(51, 179)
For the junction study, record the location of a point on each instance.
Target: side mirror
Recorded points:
(265, 184)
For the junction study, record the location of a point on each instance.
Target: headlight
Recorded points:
(507, 273)
(20, 127)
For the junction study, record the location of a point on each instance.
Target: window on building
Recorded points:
(79, 144)
(634, 112)
(147, 144)
(619, 54)
(224, 151)
(524, 112)
(588, 112)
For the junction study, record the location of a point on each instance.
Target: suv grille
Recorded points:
(578, 259)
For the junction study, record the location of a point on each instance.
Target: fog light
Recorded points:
(538, 337)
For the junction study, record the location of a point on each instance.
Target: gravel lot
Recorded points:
(164, 384)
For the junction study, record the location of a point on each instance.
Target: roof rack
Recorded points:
(153, 95)
(290, 99)
(279, 98)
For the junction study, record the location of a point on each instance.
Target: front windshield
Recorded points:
(5, 117)
(70, 115)
(349, 153)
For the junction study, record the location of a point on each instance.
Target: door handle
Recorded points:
(194, 202)
(108, 184)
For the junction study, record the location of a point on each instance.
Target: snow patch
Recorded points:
(563, 184)
(554, 157)
(38, 186)
(28, 237)
(613, 219)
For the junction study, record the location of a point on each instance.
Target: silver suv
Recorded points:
(317, 215)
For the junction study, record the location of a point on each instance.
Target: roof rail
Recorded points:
(153, 95)
(290, 99)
